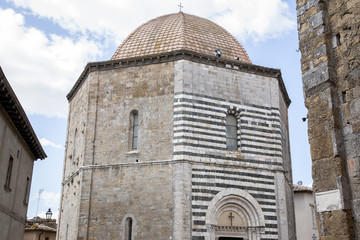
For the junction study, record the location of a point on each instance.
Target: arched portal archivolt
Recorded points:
(234, 213)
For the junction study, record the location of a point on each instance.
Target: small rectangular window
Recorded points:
(344, 97)
(336, 41)
(27, 190)
(8, 174)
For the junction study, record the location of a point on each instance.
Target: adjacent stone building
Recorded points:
(329, 35)
(19, 148)
(40, 229)
(178, 136)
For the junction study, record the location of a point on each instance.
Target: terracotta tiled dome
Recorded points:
(180, 31)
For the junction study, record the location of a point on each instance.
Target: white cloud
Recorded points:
(45, 142)
(52, 199)
(255, 19)
(41, 69)
(49, 200)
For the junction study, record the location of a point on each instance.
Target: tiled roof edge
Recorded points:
(179, 55)
(300, 188)
(16, 113)
(40, 227)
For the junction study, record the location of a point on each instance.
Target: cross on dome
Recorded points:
(180, 6)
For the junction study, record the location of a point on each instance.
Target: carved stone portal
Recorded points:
(235, 215)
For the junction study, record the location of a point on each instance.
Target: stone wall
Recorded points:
(74, 162)
(143, 191)
(261, 165)
(99, 129)
(330, 45)
(13, 201)
(181, 163)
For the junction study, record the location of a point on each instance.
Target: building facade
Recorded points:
(178, 136)
(40, 229)
(329, 41)
(305, 214)
(19, 148)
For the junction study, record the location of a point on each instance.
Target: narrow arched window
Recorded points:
(128, 229)
(231, 132)
(135, 130)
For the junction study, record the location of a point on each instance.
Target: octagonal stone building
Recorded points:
(177, 136)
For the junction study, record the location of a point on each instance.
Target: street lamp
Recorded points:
(48, 214)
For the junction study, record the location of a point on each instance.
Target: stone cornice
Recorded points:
(180, 55)
(16, 113)
(67, 179)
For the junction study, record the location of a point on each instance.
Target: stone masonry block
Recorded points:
(316, 20)
(334, 6)
(325, 171)
(322, 145)
(337, 223)
(356, 127)
(316, 76)
(355, 183)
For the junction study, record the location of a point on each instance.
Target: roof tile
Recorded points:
(180, 31)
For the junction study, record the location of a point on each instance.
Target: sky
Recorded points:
(45, 45)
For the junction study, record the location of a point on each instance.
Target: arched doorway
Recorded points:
(234, 214)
